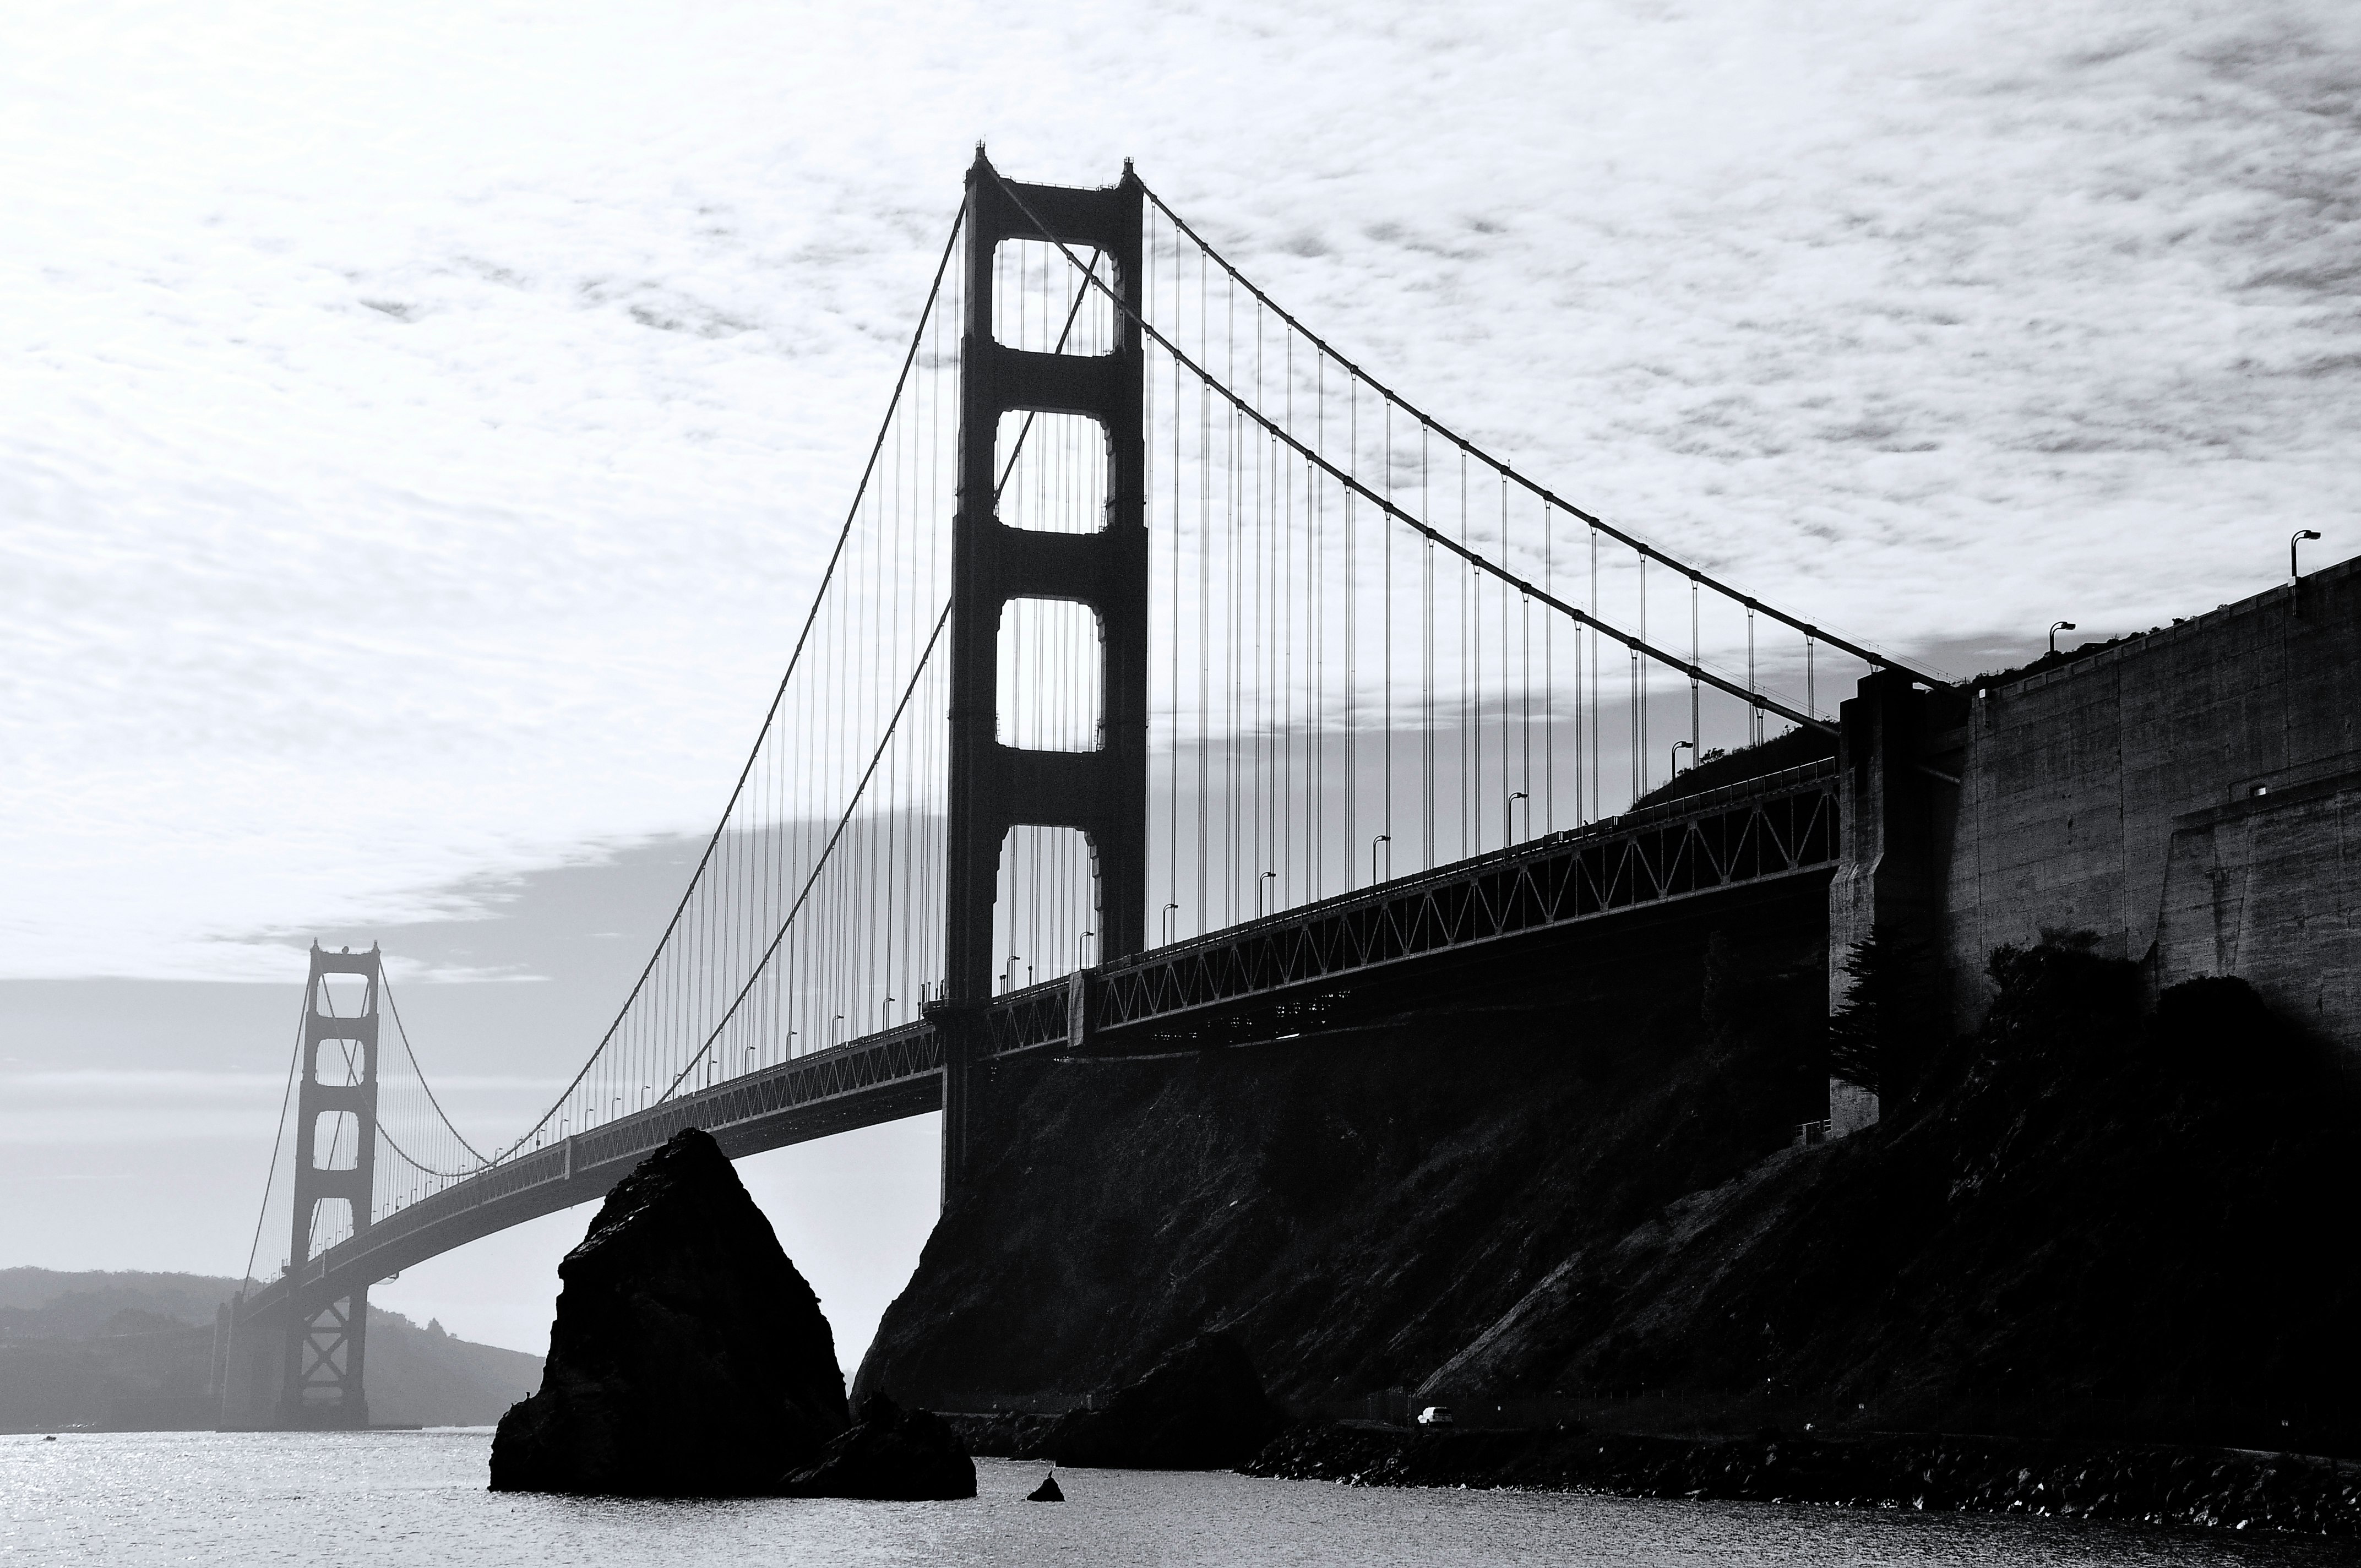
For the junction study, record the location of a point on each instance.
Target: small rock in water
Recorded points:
(1046, 1492)
(689, 1358)
(890, 1454)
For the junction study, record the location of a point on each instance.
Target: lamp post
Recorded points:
(2057, 627)
(1170, 911)
(1079, 943)
(1262, 884)
(2299, 533)
(1672, 762)
(1381, 839)
(1509, 815)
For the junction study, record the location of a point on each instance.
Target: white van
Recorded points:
(1435, 1416)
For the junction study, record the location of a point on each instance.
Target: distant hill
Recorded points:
(132, 1351)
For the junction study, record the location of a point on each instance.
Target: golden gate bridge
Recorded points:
(1171, 683)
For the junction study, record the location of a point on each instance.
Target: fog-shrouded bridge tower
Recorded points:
(305, 1370)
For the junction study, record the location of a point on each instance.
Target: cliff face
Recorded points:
(2086, 1221)
(1355, 1206)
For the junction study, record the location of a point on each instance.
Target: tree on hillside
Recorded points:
(1877, 1036)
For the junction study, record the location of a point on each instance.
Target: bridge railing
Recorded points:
(1762, 828)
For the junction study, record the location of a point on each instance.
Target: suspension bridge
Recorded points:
(1172, 681)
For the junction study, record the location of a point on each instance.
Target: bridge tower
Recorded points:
(994, 787)
(336, 1161)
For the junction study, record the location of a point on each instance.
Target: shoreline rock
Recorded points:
(689, 1358)
(1202, 1406)
(2218, 1489)
(890, 1454)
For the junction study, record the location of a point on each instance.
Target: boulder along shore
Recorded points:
(2233, 1489)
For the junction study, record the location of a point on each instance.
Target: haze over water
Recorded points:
(139, 1499)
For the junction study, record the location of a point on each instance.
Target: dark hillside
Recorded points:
(2088, 1223)
(1795, 749)
(1354, 1205)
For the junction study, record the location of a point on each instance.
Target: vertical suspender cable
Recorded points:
(1697, 740)
(1426, 661)
(1386, 645)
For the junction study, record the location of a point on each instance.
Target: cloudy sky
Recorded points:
(421, 422)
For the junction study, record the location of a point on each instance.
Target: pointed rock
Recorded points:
(1046, 1492)
(1201, 1407)
(890, 1454)
(689, 1357)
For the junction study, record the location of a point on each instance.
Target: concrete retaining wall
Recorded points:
(2192, 798)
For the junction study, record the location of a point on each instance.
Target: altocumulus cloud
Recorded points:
(427, 420)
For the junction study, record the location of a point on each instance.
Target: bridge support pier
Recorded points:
(249, 1356)
(961, 1029)
(1103, 791)
(1887, 880)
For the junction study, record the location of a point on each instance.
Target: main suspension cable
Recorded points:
(444, 1116)
(294, 1066)
(819, 598)
(1642, 546)
(851, 806)
(1491, 568)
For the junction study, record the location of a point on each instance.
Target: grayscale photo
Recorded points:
(1571, 783)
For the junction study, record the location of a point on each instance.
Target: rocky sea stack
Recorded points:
(689, 1358)
(1201, 1407)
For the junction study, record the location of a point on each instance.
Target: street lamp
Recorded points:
(1509, 815)
(1170, 911)
(1079, 942)
(1262, 884)
(1672, 762)
(2057, 627)
(1381, 839)
(2299, 533)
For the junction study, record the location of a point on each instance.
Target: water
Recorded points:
(127, 1500)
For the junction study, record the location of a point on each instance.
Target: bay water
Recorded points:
(132, 1499)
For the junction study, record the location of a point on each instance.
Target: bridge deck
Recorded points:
(1744, 835)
